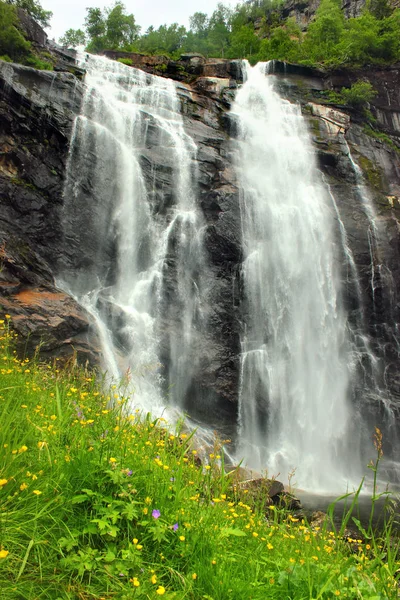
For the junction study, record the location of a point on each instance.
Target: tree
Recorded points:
(95, 23)
(168, 39)
(219, 29)
(73, 38)
(111, 28)
(283, 44)
(244, 42)
(199, 24)
(35, 10)
(359, 94)
(12, 42)
(121, 29)
(379, 8)
(325, 34)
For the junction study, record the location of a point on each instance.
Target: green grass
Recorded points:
(100, 501)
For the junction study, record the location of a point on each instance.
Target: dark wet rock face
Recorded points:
(36, 115)
(37, 111)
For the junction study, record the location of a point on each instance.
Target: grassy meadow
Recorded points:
(99, 502)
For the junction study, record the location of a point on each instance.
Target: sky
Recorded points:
(69, 14)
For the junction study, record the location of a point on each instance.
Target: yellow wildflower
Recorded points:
(160, 591)
(3, 482)
(153, 579)
(4, 553)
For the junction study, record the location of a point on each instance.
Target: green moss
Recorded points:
(23, 183)
(161, 68)
(383, 137)
(38, 63)
(125, 61)
(371, 172)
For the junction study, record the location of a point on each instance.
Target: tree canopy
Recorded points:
(35, 10)
(256, 30)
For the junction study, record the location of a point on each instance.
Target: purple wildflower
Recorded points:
(175, 527)
(156, 514)
(129, 473)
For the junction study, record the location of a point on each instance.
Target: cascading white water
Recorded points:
(126, 115)
(294, 409)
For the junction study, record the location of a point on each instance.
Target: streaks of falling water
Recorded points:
(294, 409)
(138, 235)
(379, 350)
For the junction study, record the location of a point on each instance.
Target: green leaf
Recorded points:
(227, 531)
(79, 499)
(89, 492)
(130, 512)
(110, 556)
(113, 531)
(360, 527)
(100, 523)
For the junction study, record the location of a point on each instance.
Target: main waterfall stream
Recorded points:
(294, 409)
(144, 275)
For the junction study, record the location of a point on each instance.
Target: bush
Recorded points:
(12, 42)
(125, 61)
(359, 94)
(38, 63)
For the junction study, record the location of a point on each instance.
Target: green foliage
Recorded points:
(167, 39)
(111, 28)
(37, 63)
(379, 135)
(379, 8)
(73, 38)
(126, 61)
(12, 42)
(98, 500)
(331, 41)
(283, 43)
(244, 42)
(35, 10)
(324, 35)
(121, 29)
(359, 94)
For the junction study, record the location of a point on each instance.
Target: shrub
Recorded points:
(12, 42)
(359, 94)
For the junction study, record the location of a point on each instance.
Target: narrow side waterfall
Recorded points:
(130, 207)
(294, 409)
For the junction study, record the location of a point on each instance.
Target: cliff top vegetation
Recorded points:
(257, 30)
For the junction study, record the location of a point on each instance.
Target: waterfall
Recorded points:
(294, 409)
(130, 208)
(134, 255)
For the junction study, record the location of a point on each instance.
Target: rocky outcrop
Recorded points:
(36, 116)
(188, 68)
